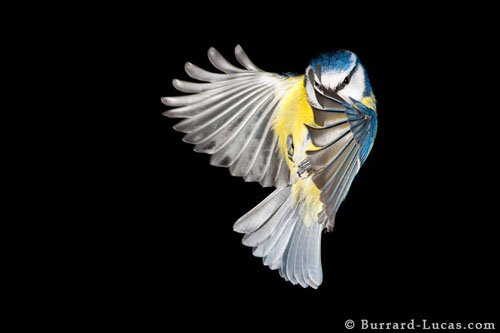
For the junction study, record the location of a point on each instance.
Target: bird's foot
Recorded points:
(304, 168)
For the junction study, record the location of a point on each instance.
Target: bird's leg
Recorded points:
(304, 168)
(289, 147)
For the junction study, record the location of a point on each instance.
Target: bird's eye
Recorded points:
(346, 80)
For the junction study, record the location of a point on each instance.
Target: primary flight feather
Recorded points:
(306, 135)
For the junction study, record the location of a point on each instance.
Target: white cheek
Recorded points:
(356, 87)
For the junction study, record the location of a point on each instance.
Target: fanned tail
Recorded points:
(277, 233)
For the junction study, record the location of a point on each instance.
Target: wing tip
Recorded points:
(180, 126)
(168, 101)
(177, 84)
(238, 228)
(244, 60)
(212, 51)
(197, 148)
(188, 66)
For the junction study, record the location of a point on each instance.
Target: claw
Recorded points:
(304, 168)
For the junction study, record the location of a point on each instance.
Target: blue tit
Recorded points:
(306, 135)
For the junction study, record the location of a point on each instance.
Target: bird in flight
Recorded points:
(306, 135)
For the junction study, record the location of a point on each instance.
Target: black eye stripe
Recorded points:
(348, 77)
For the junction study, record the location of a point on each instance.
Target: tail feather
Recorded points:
(305, 259)
(288, 269)
(252, 220)
(262, 234)
(315, 271)
(277, 233)
(264, 248)
(274, 258)
(298, 265)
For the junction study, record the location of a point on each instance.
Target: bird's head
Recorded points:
(341, 72)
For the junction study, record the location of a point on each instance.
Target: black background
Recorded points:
(415, 238)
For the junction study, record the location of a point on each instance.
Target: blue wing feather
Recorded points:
(365, 136)
(341, 154)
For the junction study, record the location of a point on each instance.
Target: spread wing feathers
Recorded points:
(277, 233)
(345, 135)
(230, 116)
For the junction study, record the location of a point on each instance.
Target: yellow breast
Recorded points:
(370, 102)
(292, 113)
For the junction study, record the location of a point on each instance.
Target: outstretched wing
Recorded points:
(345, 135)
(230, 116)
